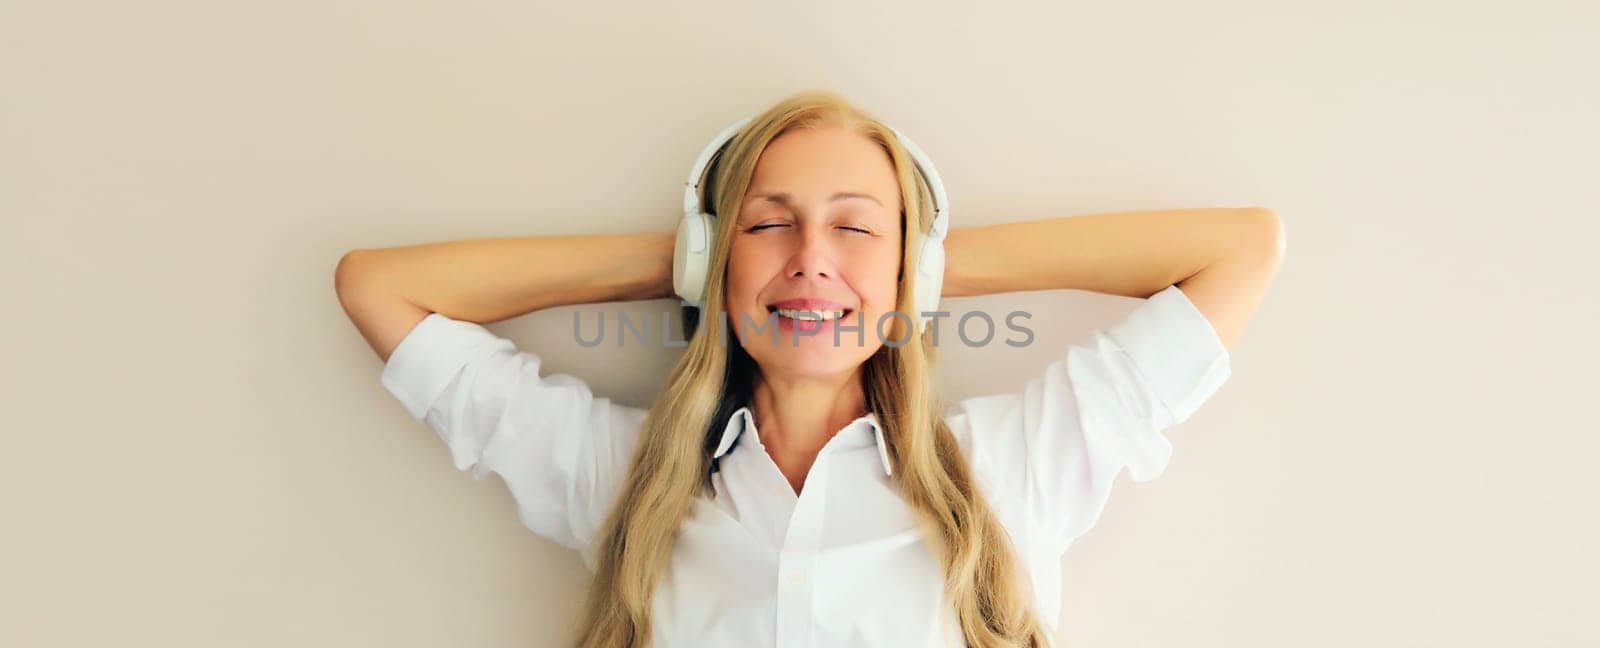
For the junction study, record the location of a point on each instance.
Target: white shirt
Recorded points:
(842, 563)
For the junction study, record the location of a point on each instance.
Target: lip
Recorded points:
(822, 329)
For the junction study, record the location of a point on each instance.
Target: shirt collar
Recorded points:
(864, 430)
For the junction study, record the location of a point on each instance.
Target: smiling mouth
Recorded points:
(813, 315)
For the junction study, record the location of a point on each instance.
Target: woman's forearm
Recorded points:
(1133, 254)
(488, 280)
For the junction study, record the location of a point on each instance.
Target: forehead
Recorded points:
(811, 165)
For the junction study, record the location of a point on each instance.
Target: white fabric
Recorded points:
(842, 563)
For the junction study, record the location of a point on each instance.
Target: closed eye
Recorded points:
(762, 227)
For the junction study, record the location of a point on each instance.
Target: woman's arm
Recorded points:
(386, 291)
(1223, 259)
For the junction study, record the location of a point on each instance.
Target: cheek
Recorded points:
(879, 280)
(746, 274)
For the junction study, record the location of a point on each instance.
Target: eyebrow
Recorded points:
(786, 200)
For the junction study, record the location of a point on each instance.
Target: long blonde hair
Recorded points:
(671, 466)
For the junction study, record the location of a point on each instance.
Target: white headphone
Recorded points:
(692, 256)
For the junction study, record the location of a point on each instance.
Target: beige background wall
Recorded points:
(198, 451)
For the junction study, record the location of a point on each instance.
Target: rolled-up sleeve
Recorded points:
(1098, 409)
(561, 450)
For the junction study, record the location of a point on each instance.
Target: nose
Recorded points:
(814, 255)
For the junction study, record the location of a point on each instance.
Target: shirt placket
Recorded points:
(797, 560)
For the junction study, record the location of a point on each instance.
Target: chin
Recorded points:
(802, 362)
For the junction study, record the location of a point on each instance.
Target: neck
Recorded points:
(795, 416)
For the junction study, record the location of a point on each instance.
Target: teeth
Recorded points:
(810, 315)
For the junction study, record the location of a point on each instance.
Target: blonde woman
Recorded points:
(787, 490)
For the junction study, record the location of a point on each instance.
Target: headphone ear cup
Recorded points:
(930, 279)
(691, 257)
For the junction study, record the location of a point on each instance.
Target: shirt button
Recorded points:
(797, 577)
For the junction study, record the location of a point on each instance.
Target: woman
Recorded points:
(806, 493)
